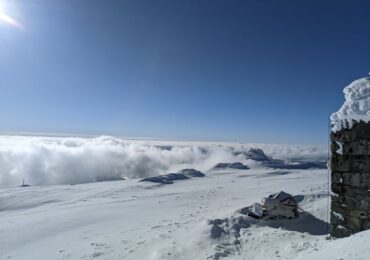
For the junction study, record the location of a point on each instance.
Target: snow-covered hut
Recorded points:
(280, 204)
(277, 205)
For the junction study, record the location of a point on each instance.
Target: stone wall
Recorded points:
(350, 180)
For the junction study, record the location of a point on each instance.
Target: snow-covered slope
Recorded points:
(140, 220)
(355, 247)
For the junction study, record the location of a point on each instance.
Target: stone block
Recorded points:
(365, 180)
(351, 179)
(337, 188)
(339, 163)
(365, 204)
(357, 147)
(361, 130)
(342, 136)
(366, 224)
(337, 177)
(340, 231)
(354, 224)
(360, 214)
(337, 199)
(339, 208)
(359, 164)
(352, 202)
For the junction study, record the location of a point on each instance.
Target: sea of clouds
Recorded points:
(65, 160)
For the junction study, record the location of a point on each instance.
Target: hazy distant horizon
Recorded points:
(139, 138)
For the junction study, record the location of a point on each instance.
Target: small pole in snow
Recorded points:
(23, 184)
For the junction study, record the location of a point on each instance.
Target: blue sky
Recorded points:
(257, 71)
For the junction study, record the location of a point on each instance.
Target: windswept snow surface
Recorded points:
(356, 106)
(140, 220)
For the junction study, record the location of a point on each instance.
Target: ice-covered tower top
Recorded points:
(356, 108)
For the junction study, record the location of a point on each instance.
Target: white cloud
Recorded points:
(61, 160)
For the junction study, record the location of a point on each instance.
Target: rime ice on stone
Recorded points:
(350, 162)
(356, 108)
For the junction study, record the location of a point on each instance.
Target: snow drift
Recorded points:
(356, 106)
(63, 160)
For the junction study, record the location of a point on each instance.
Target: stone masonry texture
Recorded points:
(350, 180)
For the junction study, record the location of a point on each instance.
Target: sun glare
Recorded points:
(5, 18)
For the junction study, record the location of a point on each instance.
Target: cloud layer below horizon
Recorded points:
(65, 160)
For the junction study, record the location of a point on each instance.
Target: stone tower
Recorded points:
(350, 162)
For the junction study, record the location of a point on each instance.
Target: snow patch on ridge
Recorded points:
(356, 106)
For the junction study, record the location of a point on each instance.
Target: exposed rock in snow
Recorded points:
(279, 164)
(171, 177)
(109, 178)
(166, 178)
(191, 173)
(236, 165)
(356, 106)
(255, 154)
(216, 230)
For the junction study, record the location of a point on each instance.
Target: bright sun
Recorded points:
(5, 18)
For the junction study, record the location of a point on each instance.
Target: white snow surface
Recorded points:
(356, 106)
(67, 160)
(135, 220)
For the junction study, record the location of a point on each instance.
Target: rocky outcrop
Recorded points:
(255, 154)
(171, 177)
(191, 173)
(259, 155)
(236, 165)
(294, 165)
